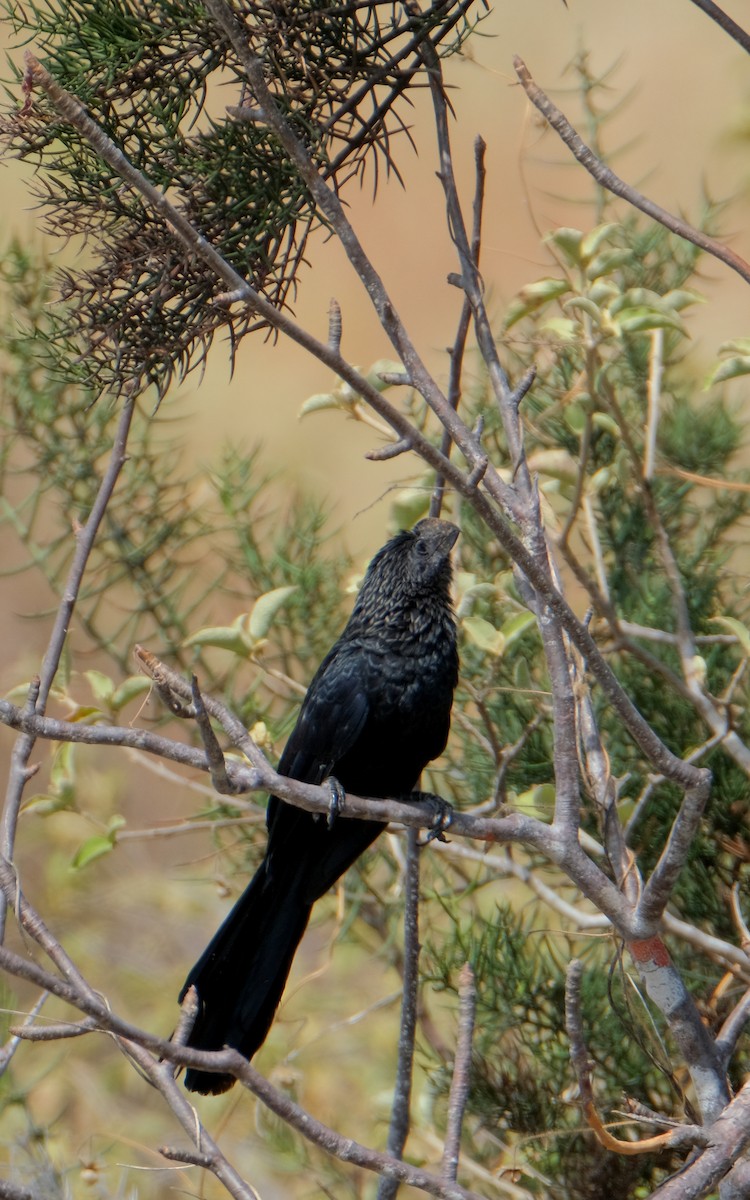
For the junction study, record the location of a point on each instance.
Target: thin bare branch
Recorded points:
(39, 692)
(398, 1130)
(461, 1078)
(725, 22)
(607, 178)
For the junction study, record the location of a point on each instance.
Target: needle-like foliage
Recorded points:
(158, 82)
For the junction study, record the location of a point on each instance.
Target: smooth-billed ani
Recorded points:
(377, 711)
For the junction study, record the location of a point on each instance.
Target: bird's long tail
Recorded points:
(241, 974)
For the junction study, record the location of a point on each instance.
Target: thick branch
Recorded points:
(729, 1136)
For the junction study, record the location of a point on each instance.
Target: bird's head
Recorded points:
(414, 563)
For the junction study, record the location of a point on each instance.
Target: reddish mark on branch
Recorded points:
(650, 950)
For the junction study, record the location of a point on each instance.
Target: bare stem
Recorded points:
(398, 1130)
(461, 1079)
(39, 694)
(725, 22)
(607, 178)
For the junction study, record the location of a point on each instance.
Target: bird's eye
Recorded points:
(422, 548)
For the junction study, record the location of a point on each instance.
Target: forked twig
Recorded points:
(605, 176)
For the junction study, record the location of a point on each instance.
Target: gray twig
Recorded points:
(40, 688)
(461, 1079)
(607, 178)
(398, 1130)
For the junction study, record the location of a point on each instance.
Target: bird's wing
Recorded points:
(331, 719)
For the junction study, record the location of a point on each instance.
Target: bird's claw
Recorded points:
(338, 795)
(442, 816)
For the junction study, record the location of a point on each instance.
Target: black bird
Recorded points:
(377, 711)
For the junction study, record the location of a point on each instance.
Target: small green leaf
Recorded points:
(409, 506)
(516, 626)
(568, 241)
(534, 296)
(636, 298)
(641, 320)
(562, 328)
(87, 714)
(46, 803)
(557, 464)
(603, 292)
(264, 610)
(134, 685)
(737, 346)
(521, 674)
(575, 418)
(223, 637)
(681, 298)
(731, 368)
(596, 238)
(607, 262)
(384, 366)
(93, 848)
(101, 685)
(599, 481)
(541, 798)
(603, 421)
(322, 401)
(484, 635)
(584, 304)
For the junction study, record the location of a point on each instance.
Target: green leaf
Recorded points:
(641, 320)
(46, 803)
(541, 798)
(264, 610)
(636, 298)
(739, 630)
(516, 626)
(603, 292)
(585, 305)
(322, 401)
(87, 714)
(134, 685)
(596, 238)
(484, 635)
(534, 296)
(731, 368)
(101, 685)
(682, 298)
(557, 464)
(607, 262)
(223, 637)
(575, 418)
(409, 505)
(599, 481)
(737, 346)
(568, 241)
(93, 848)
(603, 421)
(384, 366)
(562, 328)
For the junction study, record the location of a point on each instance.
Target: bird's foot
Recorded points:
(442, 816)
(338, 796)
